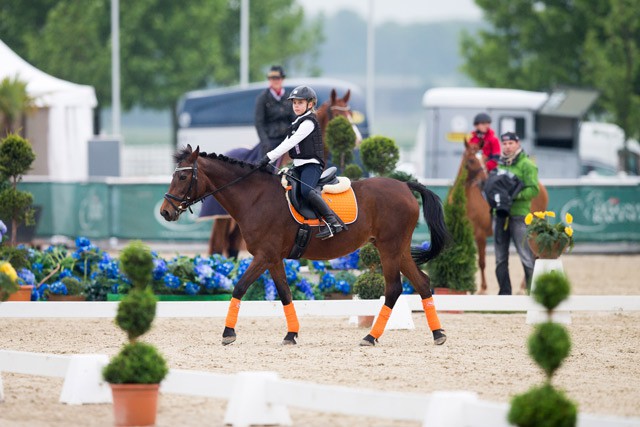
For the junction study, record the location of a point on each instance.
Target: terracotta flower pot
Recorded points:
(447, 291)
(55, 297)
(22, 294)
(553, 252)
(135, 404)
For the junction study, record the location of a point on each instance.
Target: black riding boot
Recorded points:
(334, 225)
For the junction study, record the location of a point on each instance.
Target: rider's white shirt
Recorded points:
(303, 131)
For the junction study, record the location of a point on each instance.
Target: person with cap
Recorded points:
(486, 138)
(510, 226)
(273, 113)
(305, 146)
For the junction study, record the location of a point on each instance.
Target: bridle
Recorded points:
(332, 108)
(186, 201)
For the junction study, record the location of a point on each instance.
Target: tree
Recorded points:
(542, 44)
(455, 268)
(341, 140)
(167, 47)
(613, 59)
(14, 103)
(379, 154)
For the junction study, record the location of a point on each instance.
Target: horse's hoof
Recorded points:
(228, 336)
(439, 337)
(368, 341)
(290, 338)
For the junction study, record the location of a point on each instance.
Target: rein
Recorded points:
(185, 201)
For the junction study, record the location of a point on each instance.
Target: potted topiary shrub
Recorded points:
(453, 272)
(549, 345)
(370, 284)
(379, 154)
(136, 372)
(16, 157)
(341, 140)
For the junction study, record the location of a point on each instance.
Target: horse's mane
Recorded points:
(184, 153)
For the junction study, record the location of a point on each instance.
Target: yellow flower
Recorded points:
(550, 214)
(568, 231)
(568, 218)
(8, 269)
(528, 218)
(540, 215)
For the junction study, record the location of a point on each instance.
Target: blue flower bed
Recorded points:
(100, 274)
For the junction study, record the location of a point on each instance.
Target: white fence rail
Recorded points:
(269, 397)
(618, 303)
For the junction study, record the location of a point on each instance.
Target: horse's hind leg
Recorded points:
(481, 243)
(284, 291)
(393, 289)
(255, 269)
(421, 282)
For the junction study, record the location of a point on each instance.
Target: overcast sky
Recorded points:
(404, 11)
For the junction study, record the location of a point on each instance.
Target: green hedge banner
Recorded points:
(602, 213)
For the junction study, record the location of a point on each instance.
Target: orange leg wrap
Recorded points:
(430, 311)
(381, 322)
(292, 318)
(232, 314)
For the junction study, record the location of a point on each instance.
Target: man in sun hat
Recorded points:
(273, 114)
(511, 226)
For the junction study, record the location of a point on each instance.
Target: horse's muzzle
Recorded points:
(168, 216)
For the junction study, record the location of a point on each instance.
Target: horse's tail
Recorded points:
(434, 216)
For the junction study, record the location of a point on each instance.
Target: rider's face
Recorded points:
(509, 147)
(483, 127)
(300, 106)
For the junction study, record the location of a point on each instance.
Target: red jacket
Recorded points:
(490, 147)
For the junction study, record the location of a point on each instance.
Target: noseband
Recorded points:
(332, 108)
(186, 201)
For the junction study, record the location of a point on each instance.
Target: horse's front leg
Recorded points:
(279, 277)
(255, 269)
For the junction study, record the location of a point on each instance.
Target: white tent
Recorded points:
(62, 125)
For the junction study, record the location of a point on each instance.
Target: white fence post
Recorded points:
(83, 381)
(401, 318)
(248, 402)
(538, 316)
(446, 408)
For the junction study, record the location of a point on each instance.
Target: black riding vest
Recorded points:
(312, 146)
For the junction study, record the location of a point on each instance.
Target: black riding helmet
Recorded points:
(481, 118)
(304, 92)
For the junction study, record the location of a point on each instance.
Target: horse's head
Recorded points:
(184, 188)
(472, 159)
(335, 107)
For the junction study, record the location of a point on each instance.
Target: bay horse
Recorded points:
(255, 199)
(478, 210)
(225, 236)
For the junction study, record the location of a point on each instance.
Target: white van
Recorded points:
(219, 120)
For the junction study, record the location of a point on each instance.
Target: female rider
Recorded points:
(305, 147)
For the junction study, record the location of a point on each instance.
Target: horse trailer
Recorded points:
(548, 126)
(219, 120)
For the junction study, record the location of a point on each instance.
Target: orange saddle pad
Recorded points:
(343, 204)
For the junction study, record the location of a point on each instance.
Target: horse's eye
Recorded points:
(183, 177)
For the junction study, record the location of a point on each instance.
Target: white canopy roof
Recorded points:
(47, 90)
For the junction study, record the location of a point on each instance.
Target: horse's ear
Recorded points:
(194, 154)
(334, 95)
(197, 150)
(189, 149)
(346, 96)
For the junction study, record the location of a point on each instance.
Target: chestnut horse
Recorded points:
(478, 210)
(225, 235)
(387, 215)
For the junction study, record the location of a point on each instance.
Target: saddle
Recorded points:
(335, 190)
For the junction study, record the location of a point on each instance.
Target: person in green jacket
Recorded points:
(512, 227)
